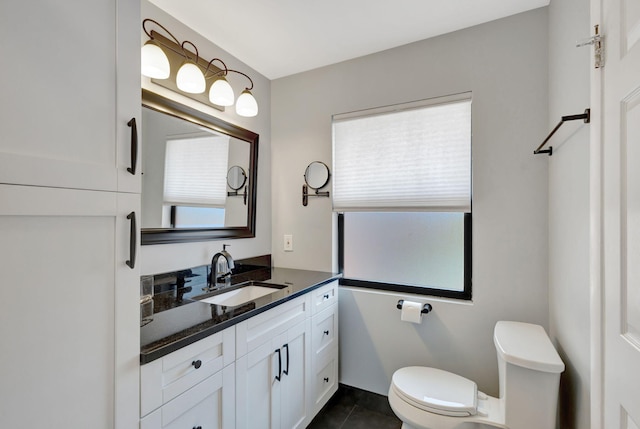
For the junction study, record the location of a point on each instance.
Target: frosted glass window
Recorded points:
(195, 171)
(412, 157)
(199, 217)
(414, 249)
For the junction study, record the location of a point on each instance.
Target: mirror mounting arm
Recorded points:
(306, 195)
(236, 194)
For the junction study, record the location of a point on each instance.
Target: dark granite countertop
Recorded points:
(191, 320)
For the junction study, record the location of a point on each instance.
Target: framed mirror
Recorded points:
(186, 156)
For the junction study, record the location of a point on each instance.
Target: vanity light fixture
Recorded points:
(192, 75)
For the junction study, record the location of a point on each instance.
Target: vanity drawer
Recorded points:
(164, 379)
(209, 404)
(325, 380)
(324, 296)
(253, 332)
(324, 328)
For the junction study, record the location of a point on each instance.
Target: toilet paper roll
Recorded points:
(411, 312)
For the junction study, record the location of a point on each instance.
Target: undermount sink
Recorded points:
(247, 292)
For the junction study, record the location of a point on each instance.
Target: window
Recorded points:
(402, 187)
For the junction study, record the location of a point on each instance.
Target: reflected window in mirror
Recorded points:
(194, 181)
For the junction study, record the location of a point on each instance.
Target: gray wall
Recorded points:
(504, 64)
(569, 207)
(167, 257)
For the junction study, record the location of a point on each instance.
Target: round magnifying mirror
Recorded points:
(317, 175)
(236, 177)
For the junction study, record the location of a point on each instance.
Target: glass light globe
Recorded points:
(221, 93)
(190, 79)
(246, 105)
(154, 61)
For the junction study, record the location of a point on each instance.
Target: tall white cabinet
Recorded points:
(69, 313)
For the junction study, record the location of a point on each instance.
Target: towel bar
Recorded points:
(586, 117)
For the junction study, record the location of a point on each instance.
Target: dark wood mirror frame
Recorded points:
(183, 235)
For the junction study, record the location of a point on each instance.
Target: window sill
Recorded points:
(418, 290)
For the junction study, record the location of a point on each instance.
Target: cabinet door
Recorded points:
(257, 388)
(295, 390)
(69, 87)
(68, 309)
(273, 382)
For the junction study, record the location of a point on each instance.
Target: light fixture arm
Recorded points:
(150, 35)
(184, 51)
(239, 72)
(224, 70)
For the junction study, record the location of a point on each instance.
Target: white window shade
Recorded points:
(195, 171)
(413, 159)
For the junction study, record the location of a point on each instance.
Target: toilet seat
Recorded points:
(436, 391)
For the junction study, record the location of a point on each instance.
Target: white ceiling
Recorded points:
(282, 37)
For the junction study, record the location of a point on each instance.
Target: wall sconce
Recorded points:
(162, 56)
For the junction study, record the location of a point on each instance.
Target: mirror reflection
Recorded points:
(316, 175)
(189, 161)
(236, 177)
(185, 174)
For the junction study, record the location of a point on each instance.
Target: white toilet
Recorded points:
(529, 373)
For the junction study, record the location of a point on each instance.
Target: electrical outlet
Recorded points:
(288, 243)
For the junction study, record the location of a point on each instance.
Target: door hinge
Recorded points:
(598, 44)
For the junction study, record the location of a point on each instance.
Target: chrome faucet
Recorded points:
(221, 266)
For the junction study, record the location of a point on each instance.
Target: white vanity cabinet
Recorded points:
(285, 355)
(324, 340)
(69, 90)
(191, 387)
(273, 368)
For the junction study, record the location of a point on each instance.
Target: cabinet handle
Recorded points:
(279, 376)
(326, 379)
(197, 427)
(196, 363)
(326, 296)
(286, 371)
(134, 146)
(132, 240)
(326, 332)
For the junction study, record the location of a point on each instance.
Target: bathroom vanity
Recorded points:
(269, 361)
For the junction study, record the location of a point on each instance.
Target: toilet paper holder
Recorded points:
(426, 308)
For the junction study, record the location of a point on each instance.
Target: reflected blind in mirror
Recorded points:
(415, 156)
(195, 171)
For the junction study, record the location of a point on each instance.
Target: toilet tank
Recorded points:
(529, 371)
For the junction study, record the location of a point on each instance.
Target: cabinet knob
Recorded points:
(326, 296)
(197, 427)
(326, 379)
(326, 332)
(197, 364)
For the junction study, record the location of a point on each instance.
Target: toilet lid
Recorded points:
(436, 391)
